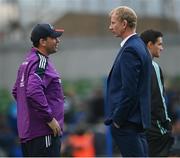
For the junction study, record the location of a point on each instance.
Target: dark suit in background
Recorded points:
(128, 88)
(159, 135)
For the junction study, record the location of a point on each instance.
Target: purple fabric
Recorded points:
(39, 95)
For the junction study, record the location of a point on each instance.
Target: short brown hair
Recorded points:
(126, 13)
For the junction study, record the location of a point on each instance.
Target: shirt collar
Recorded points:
(124, 40)
(34, 49)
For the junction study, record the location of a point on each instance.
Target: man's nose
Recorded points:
(57, 40)
(110, 27)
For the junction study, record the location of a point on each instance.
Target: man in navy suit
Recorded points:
(128, 86)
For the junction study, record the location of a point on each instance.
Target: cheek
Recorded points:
(158, 48)
(117, 28)
(155, 50)
(54, 43)
(114, 26)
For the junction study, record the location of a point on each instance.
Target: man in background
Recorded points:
(39, 95)
(128, 86)
(159, 135)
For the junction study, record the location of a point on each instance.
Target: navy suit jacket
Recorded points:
(128, 85)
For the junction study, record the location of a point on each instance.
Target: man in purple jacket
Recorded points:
(39, 95)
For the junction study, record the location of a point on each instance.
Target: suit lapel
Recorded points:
(120, 52)
(117, 57)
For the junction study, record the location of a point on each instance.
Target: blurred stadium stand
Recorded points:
(86, 39)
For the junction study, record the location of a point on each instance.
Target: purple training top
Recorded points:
(39, 95)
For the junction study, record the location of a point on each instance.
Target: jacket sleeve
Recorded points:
(164, 115)
(14, 89)
(129, 69)
(36, 95)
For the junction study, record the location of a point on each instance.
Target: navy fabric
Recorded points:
(128, 85)
(130, 142)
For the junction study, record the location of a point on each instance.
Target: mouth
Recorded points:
(56, 46)
(113, 32)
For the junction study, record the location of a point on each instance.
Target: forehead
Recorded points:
(114, 16)
(159, 40)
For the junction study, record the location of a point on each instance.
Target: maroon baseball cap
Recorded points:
(45, 30)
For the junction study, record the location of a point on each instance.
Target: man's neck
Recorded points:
(128, 32)
(42, 51)
(150, 53)
(125, 39)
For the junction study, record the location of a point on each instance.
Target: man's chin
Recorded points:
(157, 56)
(115, 35)
(53, 51)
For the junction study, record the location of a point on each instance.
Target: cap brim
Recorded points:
(57, 33)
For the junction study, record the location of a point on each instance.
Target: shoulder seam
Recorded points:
(42, 63)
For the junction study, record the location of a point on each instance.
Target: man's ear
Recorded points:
(42, 42)
(125, 23)
(150, 44)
